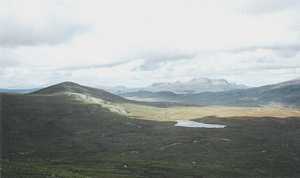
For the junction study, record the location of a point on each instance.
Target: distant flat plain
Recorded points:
(194, 112)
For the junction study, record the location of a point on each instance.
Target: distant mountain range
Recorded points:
(3, 90)
(160, 94)
(197, 85)
(286, 93)
(91, 95)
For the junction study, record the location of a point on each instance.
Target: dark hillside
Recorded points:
(76, 88)
(55, 136)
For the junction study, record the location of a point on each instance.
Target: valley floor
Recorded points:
(193, 112)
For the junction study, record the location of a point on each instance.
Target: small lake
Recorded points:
(194, 124)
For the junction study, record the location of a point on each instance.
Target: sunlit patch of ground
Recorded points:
(92, 100)
(188, 113)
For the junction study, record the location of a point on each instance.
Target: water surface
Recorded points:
(194, 124)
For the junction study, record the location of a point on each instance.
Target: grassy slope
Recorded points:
(53, 136)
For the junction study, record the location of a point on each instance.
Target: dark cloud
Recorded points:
(109, 65)
(155, 60)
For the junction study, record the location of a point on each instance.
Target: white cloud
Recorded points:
(269, 6)
(33, 22)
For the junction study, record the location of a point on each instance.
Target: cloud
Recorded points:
(14, 34)
(155, 59)
(224, 60)
(269, 6)
(283, 50)
(33, 23)
(95, 66)
(252, 67)
(125, 42)
(7, 58)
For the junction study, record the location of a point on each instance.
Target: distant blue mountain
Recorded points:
(5, 90)
(196, 85)
(285, 93)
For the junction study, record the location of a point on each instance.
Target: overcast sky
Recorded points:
(138, 42)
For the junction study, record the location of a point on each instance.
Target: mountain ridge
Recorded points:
(284, 93)
(94, 95)
(21, 91)
(195, 85)
(71, 87)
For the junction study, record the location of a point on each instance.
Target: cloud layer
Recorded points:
(15, 34)
(30, 23)
(137, 42)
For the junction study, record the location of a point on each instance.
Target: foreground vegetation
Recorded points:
(55, 137)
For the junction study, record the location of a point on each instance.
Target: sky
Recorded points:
(138, 42)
